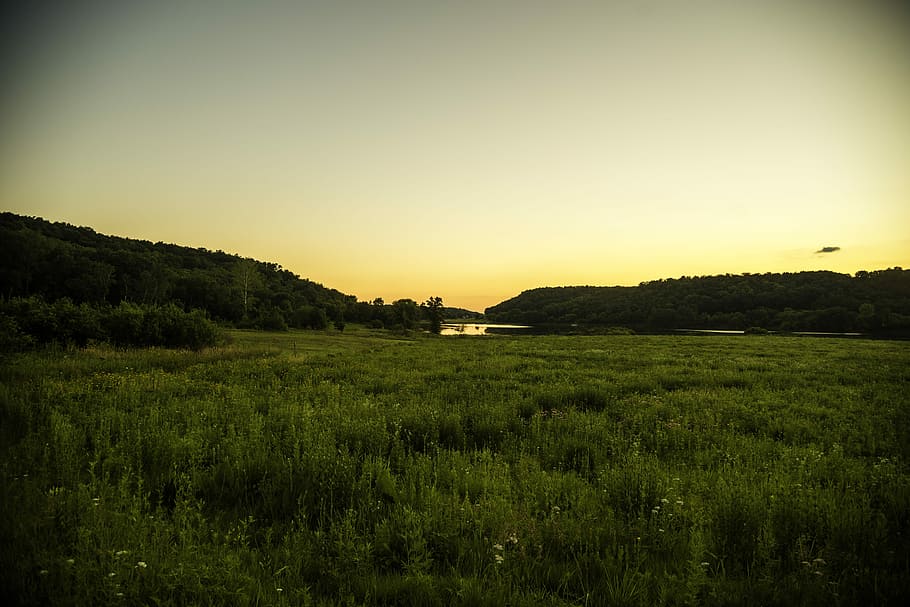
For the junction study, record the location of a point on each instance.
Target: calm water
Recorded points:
(805, 333)
(478, 328)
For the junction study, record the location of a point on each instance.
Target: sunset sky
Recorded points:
(470, 150)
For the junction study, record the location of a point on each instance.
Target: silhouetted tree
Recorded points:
(433, 310)
(405, 312)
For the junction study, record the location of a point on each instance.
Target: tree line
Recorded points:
(29, 322)
(872, 302)
(57, 260)
(42, 263)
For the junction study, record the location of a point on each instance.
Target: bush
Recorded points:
(273, 320)
(309, 317)
(124, 324)
(171, 327)
(12, 339)
(33, 321)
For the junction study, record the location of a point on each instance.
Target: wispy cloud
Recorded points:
(828, 250)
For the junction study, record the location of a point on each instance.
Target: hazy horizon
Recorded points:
(470, 151)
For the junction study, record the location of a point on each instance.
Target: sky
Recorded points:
(469, 150)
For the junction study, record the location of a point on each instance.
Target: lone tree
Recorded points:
(433, 310)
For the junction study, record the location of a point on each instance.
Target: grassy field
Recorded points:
(368, 468)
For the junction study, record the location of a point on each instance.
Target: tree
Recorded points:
(404, 312)
(338, 322)
(247, 279)
(867, 318)
(434, 311)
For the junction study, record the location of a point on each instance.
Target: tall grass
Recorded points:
(362, 468)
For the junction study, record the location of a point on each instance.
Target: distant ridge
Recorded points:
(872, 302)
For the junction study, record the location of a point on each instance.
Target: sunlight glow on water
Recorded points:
(474, 328)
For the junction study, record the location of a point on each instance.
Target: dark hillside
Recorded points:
(58, 260)
(876, 302)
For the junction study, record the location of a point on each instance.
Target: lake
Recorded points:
(478, 328)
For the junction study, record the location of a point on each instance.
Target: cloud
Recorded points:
(828, 250)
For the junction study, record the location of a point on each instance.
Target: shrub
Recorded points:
(124, 324)
(34, 321)
(12, 339)
(273, 320)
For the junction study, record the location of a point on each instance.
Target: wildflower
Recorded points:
(664, 500)
(96, 501)
(111, 574)
(513, 539)
(42, 572)
(705, 563)
(555, 509)
(499, 559)
(679, 502)
(119, 594)
(497, 547)
(655, 510)
(661, 530)
(279, 589)
(141, 564)
(70, 561)
(121, 552)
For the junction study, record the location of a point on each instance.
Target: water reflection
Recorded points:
(478, 328)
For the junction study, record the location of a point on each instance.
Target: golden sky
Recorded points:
(470, 150)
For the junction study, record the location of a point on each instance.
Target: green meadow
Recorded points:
(326, 468)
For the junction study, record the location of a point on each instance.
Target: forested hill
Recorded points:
(56, 260)
(869, 302)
